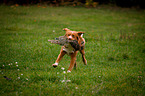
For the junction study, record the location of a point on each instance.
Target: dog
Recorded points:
(72, 48)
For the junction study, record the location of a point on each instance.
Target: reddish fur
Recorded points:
(75, 36)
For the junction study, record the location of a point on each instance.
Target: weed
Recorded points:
(125, 56)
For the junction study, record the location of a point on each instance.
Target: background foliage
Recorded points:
(86, 3)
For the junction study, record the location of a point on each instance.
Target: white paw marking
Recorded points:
(55, 63)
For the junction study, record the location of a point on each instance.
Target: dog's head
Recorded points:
(73, 35)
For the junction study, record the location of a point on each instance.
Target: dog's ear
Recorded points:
(66, 29)
(80, 33)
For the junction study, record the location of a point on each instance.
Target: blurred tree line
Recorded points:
(86, 3)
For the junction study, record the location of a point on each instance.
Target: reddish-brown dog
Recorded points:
(71, 50)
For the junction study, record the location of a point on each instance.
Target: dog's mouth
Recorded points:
(70, 38)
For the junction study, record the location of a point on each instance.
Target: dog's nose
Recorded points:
(69, 38)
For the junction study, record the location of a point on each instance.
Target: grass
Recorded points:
(115, 51)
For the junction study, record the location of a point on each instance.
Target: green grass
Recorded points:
(115, 51)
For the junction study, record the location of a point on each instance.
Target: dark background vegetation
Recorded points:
(86, 3)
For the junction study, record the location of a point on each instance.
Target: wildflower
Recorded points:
(18, 69)
(57, 72)
(18, 77)
(3, 65)
(26, 78)
(64, 72)
(21, 74)
(53, 30)
(9, 64)
(16, 62)
(68, 71)
(17, 65)
(76, 87)
(62, 81)
(68, 80)
(62, 68)
(99, 76)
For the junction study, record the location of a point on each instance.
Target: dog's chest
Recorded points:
(68, 48)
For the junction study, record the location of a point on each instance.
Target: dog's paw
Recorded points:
(55, 65)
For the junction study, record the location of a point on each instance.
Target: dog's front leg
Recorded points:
(62, 53)
(73, 61)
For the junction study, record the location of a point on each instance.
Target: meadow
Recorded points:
(115, 51)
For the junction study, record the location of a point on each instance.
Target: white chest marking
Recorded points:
(68, 48)
(82, 35)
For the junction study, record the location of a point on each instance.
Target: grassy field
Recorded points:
(115, 51)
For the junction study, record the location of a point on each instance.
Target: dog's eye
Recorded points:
(68, 34)
(73, 36)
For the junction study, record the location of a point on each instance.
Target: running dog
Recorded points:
(72, 48)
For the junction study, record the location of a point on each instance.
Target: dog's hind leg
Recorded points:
(73, 61)
(75, 65)
(83, 56)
